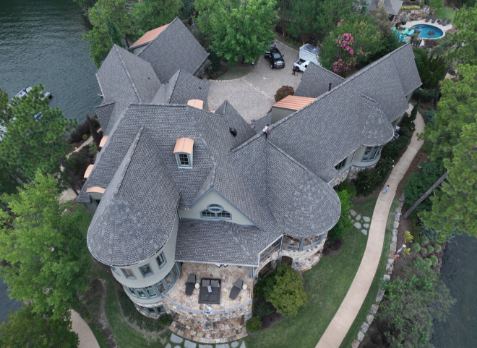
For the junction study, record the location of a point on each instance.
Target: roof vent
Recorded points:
(233, 131)
(329, 87)
(183, 151)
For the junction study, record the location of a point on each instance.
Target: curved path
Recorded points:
(86, 336)
(344, 317)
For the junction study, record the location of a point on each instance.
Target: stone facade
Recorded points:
(353, 172)
(340, 178)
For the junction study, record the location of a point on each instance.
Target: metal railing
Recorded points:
(205, 312)
(270, 252)
(305, 247)
(290, 247)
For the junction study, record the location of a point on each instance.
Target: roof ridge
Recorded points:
(127, 72)
(328, 71)
(150, 42)
(127, 159)
(247, 142)
(168, 98)
(366, 68)
(105, 104)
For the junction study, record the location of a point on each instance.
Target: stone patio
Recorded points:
(228, 275)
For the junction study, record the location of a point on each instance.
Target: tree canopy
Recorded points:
(151, 14)
(238, 29)
(28, 329)
(44, 248)
(34, 138)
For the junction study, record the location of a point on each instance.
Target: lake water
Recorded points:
(459, 273)
(41, 41)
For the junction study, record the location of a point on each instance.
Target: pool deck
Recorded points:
(437, 25)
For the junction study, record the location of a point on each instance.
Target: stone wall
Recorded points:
(353, 172)
(340, 178)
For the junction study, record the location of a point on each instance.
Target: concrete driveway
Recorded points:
(253, 94)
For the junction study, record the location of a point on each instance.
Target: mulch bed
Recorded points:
(331, 250)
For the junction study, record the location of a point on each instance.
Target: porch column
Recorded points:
(302, 242)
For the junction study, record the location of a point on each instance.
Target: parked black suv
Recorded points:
(275, 58)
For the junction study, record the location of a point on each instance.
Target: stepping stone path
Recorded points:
(357, 220)
(178, 342)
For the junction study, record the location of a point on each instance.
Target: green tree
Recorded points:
(381, 16)
(352, 41)
(344, 224)
(360, 7)
(113, 33)
(287, 294)
(436, 4)
(35, 138)
(419, 182)
(99, 44)
(114, 10)
(44, 248)
(5, 111)
(28, 329)
(303, 15)
(238, 29)
(329, 13)
(411, 304)
(151, 14)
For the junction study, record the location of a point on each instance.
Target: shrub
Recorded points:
(419, 182)
(287, 294)
(392, 149)
(85, 137)
(428, 262)
(262, 309)
(434, 260)
(254, 325)
(77, 161)
(415, 247)
(424, 252)
(214, 62)
(430, 114)
(284, 91)
(344, 224)
(165, 320)
(348, 187)
(426, 94)
(430, 233)
(265, 285)
(430, 249)
(424, 240)
(83, 128)
(75, 137)
(437, 247)
(369, 179)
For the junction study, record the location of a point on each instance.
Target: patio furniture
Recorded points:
(236, 289)
(434, 19)
(405, 31)
(190, 284)
(209, 291)
(448, 22)
(428, 18)
(410, 32)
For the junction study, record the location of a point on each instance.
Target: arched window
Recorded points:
(371, 153)
(215, 212)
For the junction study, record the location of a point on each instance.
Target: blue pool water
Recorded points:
(426, 28)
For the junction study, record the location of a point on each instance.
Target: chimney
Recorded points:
(329, 87)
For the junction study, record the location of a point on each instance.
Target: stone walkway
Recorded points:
(253, 95)
(360, 223)
(344, 317)
(86, 336)
(178, 342)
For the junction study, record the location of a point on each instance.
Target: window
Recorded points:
(161, 260)
(141, 293)
(184, 160)
(115, 270)
(146, 271)
(341, 164)
(132, 292)
(151, 291)
(215, 212)
(152, 310)
(371, 153)
(128, 273)
(160, 287)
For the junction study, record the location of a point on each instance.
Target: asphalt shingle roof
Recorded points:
(175, 48)
(316, 81)
(391, 6)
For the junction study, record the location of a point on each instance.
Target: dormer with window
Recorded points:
(183, 152)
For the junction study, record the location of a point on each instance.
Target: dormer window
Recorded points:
(215, 212)
(183, 152)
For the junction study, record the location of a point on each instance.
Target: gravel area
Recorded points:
(253, 94)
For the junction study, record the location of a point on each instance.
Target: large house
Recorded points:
(179, 191)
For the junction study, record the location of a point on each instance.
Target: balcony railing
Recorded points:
(269, 252)
(305, 247)
(205, 312)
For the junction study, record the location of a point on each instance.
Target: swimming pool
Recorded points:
(426, 28)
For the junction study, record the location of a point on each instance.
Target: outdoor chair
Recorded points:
(405, 31)
(448, 22)
(434, 19)
(236, 289)
(190, 284)
(410, 32)
(428, 18)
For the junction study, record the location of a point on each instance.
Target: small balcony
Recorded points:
(228, 275)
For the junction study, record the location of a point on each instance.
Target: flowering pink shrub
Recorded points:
(346, 56)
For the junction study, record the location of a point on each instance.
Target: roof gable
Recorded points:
(316, 81)
(175, 49)
(148, 37)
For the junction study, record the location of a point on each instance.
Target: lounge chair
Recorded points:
(448, 22)
(434, 19)
(190, 284)
(236, 289)
(405, 31)
(410, 32)
(428, 18)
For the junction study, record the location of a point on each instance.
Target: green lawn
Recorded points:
(445, 12)
(236, 71)
(373, 291)
(326, 286)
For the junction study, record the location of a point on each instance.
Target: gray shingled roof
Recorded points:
(315, 81)
(175, 48)
(377, 130)
(136, 215)
(125, 78)
(332, 126)
(185, 87)
(236, 121)
(391, 6)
